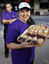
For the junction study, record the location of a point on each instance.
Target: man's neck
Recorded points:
(22, 20)
(9, 11)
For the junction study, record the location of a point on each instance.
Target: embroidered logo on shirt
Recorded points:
(13, 16)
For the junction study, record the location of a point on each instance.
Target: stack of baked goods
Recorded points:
(34, 35)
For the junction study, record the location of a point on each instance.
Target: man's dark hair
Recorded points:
(8, 3)
(30, 21)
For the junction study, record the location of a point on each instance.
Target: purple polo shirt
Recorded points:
(8, 16)
(19, 56)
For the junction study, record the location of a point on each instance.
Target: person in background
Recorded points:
(21, 52)
(7, 18)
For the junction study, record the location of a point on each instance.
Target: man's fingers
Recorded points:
(24, 43)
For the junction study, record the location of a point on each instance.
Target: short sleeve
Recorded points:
(12, 34)
(3, 16)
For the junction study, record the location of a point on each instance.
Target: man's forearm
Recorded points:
(13, 46)
(8, 21)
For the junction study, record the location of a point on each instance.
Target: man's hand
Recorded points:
(12, 20)
(25, 45)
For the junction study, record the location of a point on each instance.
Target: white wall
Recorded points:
(36, 5)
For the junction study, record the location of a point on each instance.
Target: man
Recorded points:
(7, 18)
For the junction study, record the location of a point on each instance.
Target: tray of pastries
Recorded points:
(34, 35)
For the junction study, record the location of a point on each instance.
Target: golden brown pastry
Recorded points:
(46, 31)
(20, 38)
(24, 38)
(29, 39)
(40, 31)
(41, 25)
(32, 30)
(28, 33)
(42, 28)
(34, 41)
(43, 36)
(34, 35)
(31, 27)
(40, 42)
(36, 31)
(38, 35)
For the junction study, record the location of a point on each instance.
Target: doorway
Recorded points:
(32, 6)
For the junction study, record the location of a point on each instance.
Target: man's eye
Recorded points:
(27, 10)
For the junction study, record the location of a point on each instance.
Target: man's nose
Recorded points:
(25, 13)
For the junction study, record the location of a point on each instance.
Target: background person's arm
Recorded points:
(8, 21)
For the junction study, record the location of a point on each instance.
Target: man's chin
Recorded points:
(7, 11)
(25, 20)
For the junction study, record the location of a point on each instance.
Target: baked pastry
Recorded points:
(37, 28)
(46, 31)
(32, 26)
(33, 34)
(24, 38)
(38, 35)
(36, 31)
(40, 31)
(40, 41)
(32, 30)
(20, 38)
(34, 40)
(29, 39)
(43, 36)
(28, 33)
(41, 25)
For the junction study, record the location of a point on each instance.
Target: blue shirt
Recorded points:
(19, 56)
(8, 16)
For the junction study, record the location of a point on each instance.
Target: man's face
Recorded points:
(8, 7)
(24, 14)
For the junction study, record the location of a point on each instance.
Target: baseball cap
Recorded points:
(23, 5)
